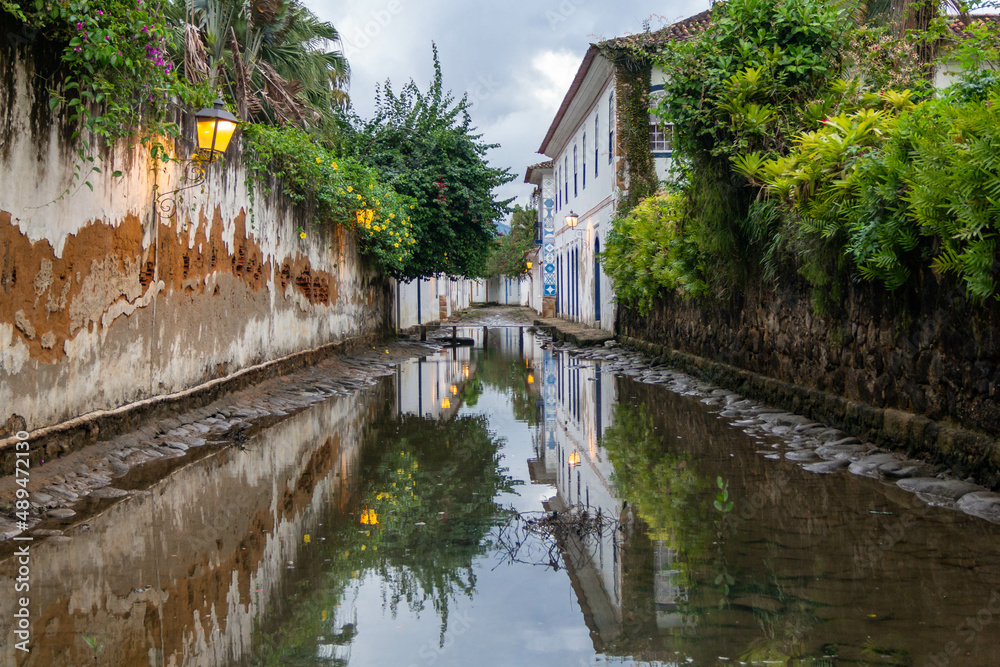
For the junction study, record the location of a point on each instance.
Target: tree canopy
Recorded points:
(425, 147)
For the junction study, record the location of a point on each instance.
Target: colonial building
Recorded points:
(597, 159)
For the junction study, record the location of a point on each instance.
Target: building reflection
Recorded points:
(578, 400)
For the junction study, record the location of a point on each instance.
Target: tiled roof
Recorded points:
(676, 32)
(681, 30)
(957, 24)
(541, 166)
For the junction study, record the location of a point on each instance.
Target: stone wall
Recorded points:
(917, 367)
(105, 302)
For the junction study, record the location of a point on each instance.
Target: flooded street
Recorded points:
(511, 503)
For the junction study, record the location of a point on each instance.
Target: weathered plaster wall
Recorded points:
(919, 367)
(104, 302)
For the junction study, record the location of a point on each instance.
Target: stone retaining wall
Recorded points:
(917, 368)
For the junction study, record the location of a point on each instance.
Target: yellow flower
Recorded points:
(364, 546)
(395, 245)
(302, 235)
(358, 196)
(334, 164)
(392, 215)
(411, 206)
(350, 188)
(319, 160)
(370, 186)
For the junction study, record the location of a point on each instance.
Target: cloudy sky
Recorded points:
(515, 58)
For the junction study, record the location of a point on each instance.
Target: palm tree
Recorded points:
(278, 61)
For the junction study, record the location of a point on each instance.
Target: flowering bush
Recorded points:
(341, 189)
(119, 79)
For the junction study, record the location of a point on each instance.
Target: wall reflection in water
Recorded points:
(178, 574)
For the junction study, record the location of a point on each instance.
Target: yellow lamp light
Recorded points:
(445, 403)
(369, 517)
(454, 390)
(528, 264)
(215, 129)
(572, 219)
(531, 379)
(574, 459)
(465, 370)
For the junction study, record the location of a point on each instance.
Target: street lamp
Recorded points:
(574, 459)
(572, 219)
(528, 264)
(215, 129)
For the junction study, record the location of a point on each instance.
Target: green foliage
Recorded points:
(339, 190)
(425, 147)
(278, 62)
(893, 192)
(118, 78)
(738, 86)
(646, 252)
(722, 503)
(508, 257)
(809, 143)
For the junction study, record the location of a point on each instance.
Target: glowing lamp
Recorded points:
(531, 379)
(365, 216)
(445, 403)
(369, 517)
(528, 264)
(215, 129)
(572, 219)
(454, 389)
(465, 370)
(574, 459)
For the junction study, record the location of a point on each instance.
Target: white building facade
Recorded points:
(584, 178)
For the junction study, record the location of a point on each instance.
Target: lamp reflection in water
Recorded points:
(574, 459)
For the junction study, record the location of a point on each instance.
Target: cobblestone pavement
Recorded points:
(492, 316)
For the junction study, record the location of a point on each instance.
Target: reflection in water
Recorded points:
(377, 530)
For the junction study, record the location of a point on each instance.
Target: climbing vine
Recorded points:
(117, 79)
(636, 177)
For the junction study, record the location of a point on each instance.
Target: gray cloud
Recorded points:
(515, 59)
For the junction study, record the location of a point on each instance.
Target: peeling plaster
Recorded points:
(102, 302)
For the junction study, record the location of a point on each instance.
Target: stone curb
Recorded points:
(884, 426)
(573, 332)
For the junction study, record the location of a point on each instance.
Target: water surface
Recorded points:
(511, 505)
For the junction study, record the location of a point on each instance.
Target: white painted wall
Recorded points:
(93, 336)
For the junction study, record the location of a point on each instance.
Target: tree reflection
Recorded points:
(509, 375)
(426, 495)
